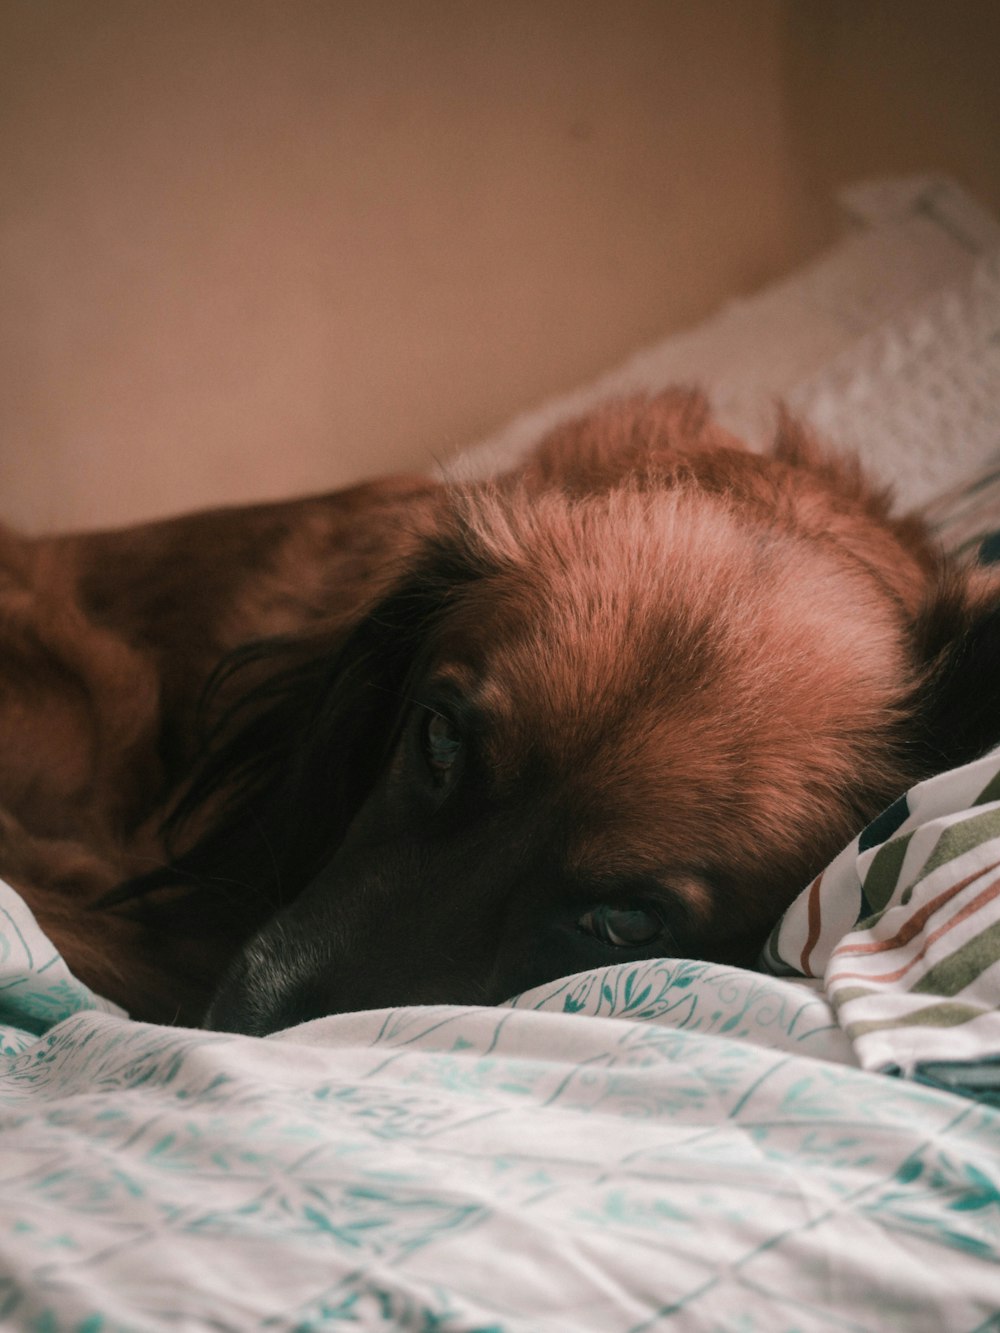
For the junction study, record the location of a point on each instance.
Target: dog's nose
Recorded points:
(233, 1009)
(257, 996)
(242, 1005)
(223, 1016)
(261, 994)
(256, 999)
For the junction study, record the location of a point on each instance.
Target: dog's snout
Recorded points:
(255, 1004)
(259, 992)
(229, 1012)
(303, 968)
(237, 1009)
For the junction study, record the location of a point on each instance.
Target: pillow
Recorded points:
(889, 344)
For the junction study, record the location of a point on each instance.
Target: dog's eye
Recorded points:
(442, 743)
(623, 927)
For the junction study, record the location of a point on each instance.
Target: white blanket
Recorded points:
(664, 1144)
(461, 1169)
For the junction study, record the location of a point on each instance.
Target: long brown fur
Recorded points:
(680, 676)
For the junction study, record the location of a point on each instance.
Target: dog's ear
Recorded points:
(626, 438)
(297, 730)
(958, 637)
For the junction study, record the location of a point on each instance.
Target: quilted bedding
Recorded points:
(664, 1144)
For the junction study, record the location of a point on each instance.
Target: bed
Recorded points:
(811, 1145)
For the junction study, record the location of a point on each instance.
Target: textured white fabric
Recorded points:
(889, 344)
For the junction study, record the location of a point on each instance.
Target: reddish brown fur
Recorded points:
(108, 641)
(789, 651)
(707, 655)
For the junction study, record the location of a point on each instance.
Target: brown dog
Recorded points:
(622, 702)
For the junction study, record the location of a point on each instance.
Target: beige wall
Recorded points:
(254, 247)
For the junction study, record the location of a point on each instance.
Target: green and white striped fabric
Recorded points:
(904, 930)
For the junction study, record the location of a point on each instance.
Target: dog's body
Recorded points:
(623, 701)
(107, 641)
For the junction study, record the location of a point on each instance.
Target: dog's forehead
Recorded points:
(668, 673)
(634, 600)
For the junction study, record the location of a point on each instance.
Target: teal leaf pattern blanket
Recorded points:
(666, 1144)
(475, 1169)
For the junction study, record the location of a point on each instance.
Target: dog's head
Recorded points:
(607, 715)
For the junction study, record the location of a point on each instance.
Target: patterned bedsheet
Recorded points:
(666, 1144)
